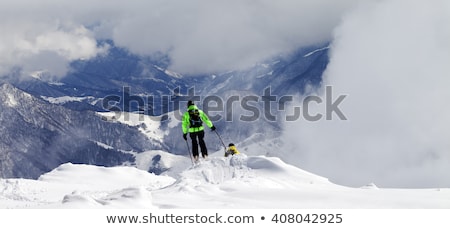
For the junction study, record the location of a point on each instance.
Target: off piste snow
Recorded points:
(238, 181)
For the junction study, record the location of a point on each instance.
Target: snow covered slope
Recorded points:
(37, 136)
(236, 182)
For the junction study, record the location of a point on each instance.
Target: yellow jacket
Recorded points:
(231, 151)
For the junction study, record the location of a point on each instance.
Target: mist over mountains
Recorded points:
(248, 64)
(45, 123)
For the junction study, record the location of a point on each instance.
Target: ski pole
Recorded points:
(221, 140)
(189, 152)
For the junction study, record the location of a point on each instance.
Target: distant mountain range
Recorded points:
(45, 123)
(37, 136)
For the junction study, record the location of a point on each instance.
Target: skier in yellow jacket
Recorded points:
(231, 150)
(192, 123)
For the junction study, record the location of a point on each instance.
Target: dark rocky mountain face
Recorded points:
(37, 136)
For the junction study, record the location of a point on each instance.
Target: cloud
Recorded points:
(35, 40)
(391, 60)
(204, 36)
(199, 36)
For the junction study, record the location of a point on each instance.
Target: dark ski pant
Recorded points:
(198, 135)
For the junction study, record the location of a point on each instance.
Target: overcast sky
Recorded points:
(200, 36)
(392, 60)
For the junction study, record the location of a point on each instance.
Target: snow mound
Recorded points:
(137, 197)
(99, 178)
(213, 180)
(239, 181)
(213, 171)
(161, 162)
(252, 170)
(84, 186)
(275, 168)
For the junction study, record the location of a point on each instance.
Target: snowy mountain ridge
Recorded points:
(218, 182)
(38, 136)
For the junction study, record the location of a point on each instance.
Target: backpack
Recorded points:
(194, 118)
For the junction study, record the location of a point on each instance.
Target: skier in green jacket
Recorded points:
(192, 123)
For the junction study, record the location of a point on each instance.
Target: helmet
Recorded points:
(190, 102)
(231, 144)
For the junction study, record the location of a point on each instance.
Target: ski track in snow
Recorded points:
(217, 182)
